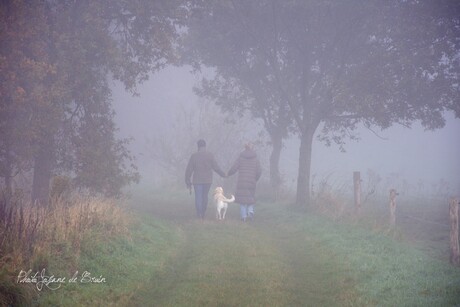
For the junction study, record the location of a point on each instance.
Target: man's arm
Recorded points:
(216, 168)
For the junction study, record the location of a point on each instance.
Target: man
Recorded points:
(201, 165)
(249, 171)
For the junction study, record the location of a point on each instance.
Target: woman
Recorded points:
(248, 167)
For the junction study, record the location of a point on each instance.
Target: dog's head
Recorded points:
(218, 190)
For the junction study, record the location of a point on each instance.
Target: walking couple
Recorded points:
(202, 164)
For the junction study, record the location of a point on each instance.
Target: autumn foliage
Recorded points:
(56, 60)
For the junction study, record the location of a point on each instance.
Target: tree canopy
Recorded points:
(335, 64)
(56, 58)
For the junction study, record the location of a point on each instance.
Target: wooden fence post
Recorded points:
(357, 190)
(393, 195)
(454, 247)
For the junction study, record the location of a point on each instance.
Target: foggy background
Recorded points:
(92, 176)
(414, 160)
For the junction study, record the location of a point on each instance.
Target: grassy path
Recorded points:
(244, 264)
(284, 258)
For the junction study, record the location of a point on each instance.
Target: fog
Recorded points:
(101, 107)
(399, 155)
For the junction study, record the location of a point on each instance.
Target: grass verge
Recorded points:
(126, 263)
(383, 271)
(78, 251)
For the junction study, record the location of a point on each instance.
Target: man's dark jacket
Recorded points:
(201, 165)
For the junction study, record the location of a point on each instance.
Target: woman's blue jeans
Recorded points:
(246, 211)
(201, 198)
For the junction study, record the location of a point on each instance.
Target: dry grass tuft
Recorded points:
(31, 235)
(329, 202)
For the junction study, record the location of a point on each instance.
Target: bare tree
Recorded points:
(224, 134)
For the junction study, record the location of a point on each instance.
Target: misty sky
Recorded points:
(414, 154)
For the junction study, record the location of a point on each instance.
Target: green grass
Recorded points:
(125, 263)
(285, 258)
(237, 265)
(385, 272)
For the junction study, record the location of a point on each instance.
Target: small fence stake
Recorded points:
(393, 195)
(357, 190)
(454, 247)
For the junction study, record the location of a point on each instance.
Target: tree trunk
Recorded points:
(303, 179)
(43, 163)
(277, 145)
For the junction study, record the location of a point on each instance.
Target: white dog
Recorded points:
(221, 203)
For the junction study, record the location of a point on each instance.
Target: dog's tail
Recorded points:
(232, 199)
